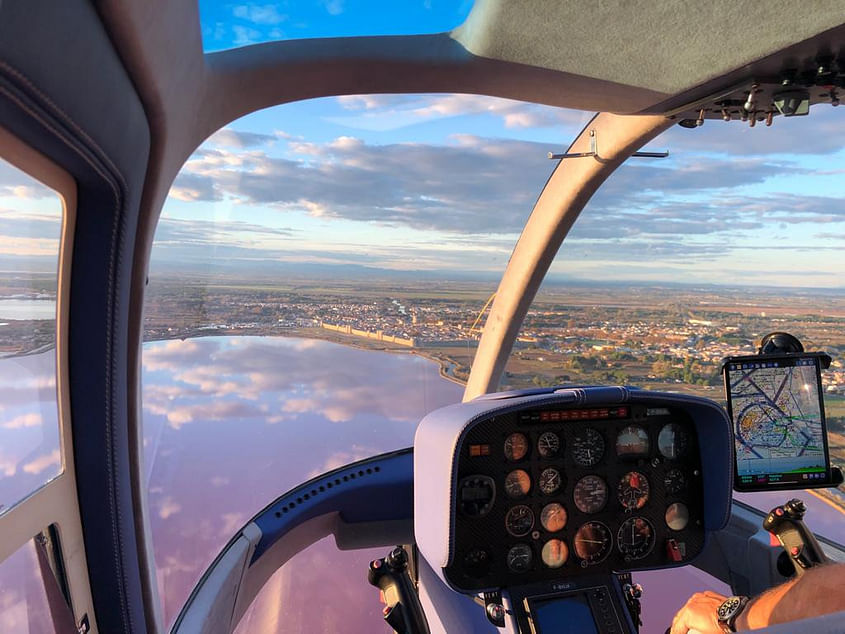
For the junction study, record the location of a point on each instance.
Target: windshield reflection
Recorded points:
(230, 423)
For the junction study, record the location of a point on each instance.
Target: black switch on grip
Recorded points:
(402, 610)
(786, 522)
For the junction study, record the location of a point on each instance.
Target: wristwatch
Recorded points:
(729, 611)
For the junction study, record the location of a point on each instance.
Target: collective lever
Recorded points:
(786, 522)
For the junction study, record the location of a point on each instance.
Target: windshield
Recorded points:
(321, 271)
(678, 263)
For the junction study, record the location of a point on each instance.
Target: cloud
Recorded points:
(18, 184)
(484, 186)
(466, 186)
(228, 137)
(215, 411)
(244, 35)
(42, 463)
(820, 132)
(384, 112)
(266, 14)
(334, 7)
(168, 507)
(31, 419)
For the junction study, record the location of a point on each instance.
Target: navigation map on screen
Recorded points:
(778, 421)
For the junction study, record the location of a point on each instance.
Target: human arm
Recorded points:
(816, 592)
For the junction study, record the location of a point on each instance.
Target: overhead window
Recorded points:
(231, 25)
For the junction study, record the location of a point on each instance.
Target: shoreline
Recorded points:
(332, 337)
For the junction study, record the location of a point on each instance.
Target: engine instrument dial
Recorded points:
(520, 557)
(516, 447)
(674, 481)
(632, 441)
(548, 444)
(519, 521)
(588, 447)
(592, 543)
(550, 480)
(633, 490)
(677, 516)
(635, 538)
(672, 441)
(590, 494)
(555, 553)
(517, 484)
(553, 517)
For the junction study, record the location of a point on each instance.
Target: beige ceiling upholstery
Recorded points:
(668, 46)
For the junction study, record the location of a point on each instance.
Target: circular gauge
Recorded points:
(632, 441)
(548, 444)
(550, 480)
(476, 494)
(553, 517)
(517, 483)
(519, 558)
(590, 494)
(677, 516)
(672, 441)
(516, 447)
(635, 538)
(674, 481)
(587, 447)
(477, 562)
(592, 543)
(633, 490)
(555, 553)
(519, 520)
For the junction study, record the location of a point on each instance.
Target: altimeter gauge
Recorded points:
(590, 494)
(587, 447)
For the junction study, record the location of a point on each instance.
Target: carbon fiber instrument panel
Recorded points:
(552, 492)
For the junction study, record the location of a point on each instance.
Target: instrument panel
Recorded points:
(550, 492)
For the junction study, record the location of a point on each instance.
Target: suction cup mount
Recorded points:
(779, 343)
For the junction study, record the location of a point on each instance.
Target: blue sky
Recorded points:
(229, 24)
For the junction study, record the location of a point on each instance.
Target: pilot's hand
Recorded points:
(699, 614)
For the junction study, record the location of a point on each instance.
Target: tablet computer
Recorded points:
(776, 407)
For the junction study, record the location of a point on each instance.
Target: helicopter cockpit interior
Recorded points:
(566, 506)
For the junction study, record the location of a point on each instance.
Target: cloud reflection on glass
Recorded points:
(29, 427)
(230, 423)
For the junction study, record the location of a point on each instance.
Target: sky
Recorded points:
(441, 185)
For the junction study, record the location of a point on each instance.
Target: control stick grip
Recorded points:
(786, 522)
(402, 610)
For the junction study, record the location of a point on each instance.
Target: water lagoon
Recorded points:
(230, 423)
